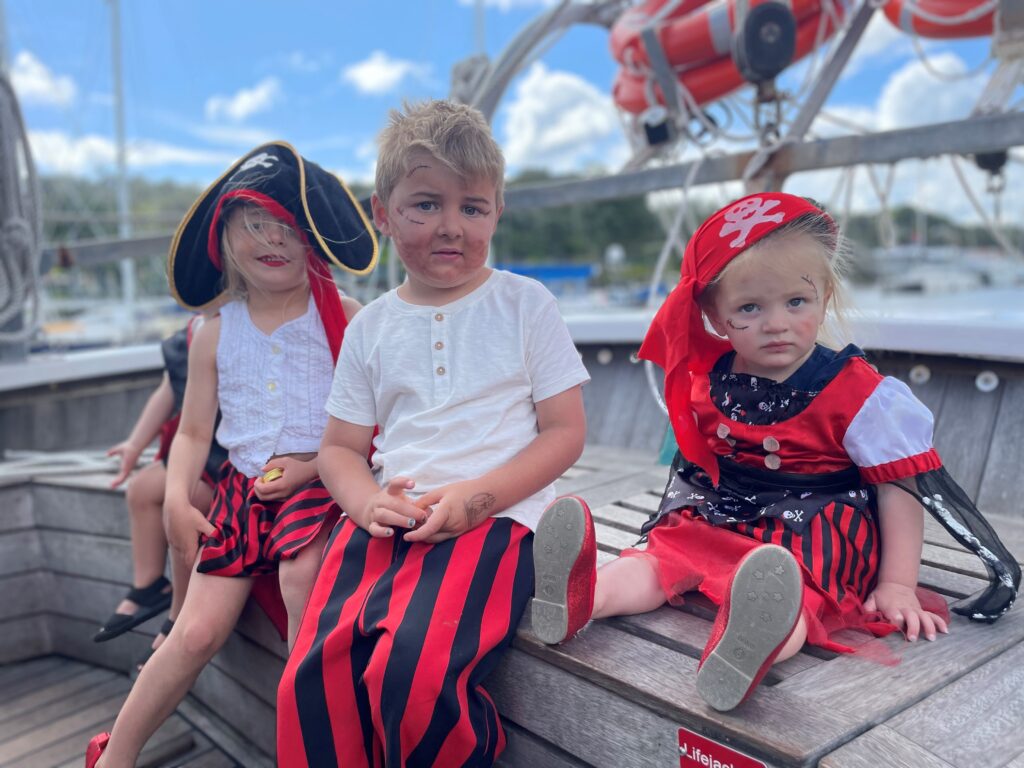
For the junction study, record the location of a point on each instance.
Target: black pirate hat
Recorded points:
(274, 175)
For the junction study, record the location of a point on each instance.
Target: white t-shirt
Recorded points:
(453, 388)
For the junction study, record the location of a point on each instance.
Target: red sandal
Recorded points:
(95, 749)
(761, 610)
(565, 570)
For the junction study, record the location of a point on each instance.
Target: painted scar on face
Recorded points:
(478, 506)
(735, 327)
(404, 213)
(810, 282)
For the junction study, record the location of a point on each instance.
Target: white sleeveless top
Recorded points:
(272, 389)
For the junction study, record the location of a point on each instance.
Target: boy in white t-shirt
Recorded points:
(473, 382)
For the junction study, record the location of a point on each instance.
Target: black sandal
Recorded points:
(151, 601)
(165, 630)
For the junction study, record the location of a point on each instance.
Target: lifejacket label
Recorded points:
(696, 751)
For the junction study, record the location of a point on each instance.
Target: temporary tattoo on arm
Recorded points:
(810, 282)
(735, 327)
(479, 507)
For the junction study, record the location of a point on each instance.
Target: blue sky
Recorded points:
(205, 81)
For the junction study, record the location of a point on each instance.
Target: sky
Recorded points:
(206, 81)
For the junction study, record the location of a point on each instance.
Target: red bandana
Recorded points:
(677, 339)
(325, 295)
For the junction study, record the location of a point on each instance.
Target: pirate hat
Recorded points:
(316, 203)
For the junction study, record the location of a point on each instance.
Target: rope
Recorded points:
(19, 220)
(996, 233)
(947, 77)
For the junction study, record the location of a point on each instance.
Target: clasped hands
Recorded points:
(437, 515)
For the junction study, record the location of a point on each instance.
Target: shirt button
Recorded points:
(275, 350)
(271, 386)
(438, 345)
(440, 370)
(439, 317)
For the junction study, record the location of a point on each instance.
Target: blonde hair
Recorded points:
(233, 280)
(834, 255)
(455, 134)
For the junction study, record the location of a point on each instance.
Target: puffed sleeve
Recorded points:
(890, 438)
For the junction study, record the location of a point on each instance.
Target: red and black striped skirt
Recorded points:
(254, 535)
(839, 553)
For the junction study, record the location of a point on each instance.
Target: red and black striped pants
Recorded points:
(395, 642)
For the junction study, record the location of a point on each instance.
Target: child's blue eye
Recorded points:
(471, 210)
(426, 205)
(799, 301)
(748, 308)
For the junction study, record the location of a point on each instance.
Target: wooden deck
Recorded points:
(617, 695)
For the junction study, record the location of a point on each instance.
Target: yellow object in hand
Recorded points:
(272, 474)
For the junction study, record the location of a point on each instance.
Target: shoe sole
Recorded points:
(557, 543)
(764, 605)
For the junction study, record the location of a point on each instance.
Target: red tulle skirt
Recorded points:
(838, 553)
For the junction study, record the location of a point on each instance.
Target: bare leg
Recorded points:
(296, 578)
(181, 569)
(625, 586)
(145, 499)
(209, 614)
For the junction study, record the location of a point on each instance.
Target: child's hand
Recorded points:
(129, 453)
(899, 604)
(452, 510)
(390, 508)
(185, 524)
(293, 475)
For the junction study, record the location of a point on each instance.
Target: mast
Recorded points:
(124, 226)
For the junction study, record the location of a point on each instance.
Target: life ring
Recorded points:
(901, 14)
(707, 75)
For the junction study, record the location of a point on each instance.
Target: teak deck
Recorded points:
(616, 695)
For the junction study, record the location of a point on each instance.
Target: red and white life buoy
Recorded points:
(909, 16)
(697, 44)
(696, 37)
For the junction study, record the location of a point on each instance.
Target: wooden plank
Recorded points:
(222, 736)
(948, 583)
(95, 557)
(663, 680)
(963, 432)
(24, 638)
(20, 551)
(100, 513)
(976, 721)
(12, 673)
(16, 503)
(24, 593)
(618, 516)
(249, 715)
(172, 738)
(954, 560)
(1002, 483)
(211, 758)
(613, 539)
(82, 721)
(683, 632)
(865, 691)
(71, 684)
(14, 692)
(34, 720)
(523, 748)
(882, 747)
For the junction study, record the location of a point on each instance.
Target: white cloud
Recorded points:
(231, 135)
(57, 152)
(559, 121)
(881, 44)
(300, 61)
(508, 5)
(36, 84)
(381, 73)
(913, 96)
(248, 101)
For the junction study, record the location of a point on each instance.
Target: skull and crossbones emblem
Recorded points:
(746, 215)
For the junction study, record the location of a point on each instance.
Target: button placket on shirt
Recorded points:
(439, 325)
(273, 384)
